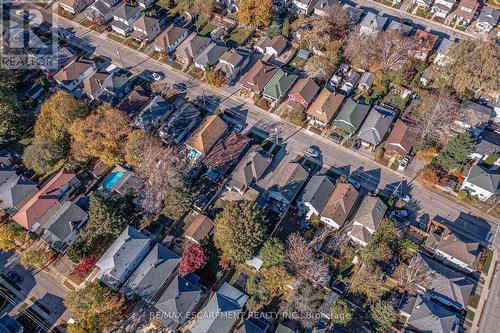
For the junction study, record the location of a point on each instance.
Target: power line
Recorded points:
(43, 325)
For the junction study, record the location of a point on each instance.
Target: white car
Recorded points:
(403, 164)
(398, 213)
(156, 76)
(313, 151)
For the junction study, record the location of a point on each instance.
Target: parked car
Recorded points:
(313, 151)
(398, 213)
(14, 277)
(157, 76)
(180, 87)
(357, 144)
(337, 138)
(404, 164)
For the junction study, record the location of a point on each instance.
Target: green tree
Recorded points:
(276, 279)
(258, 292)
(455, 152)
(285, 29)
(341, 312)
(34, 257)
(15, 118)
(42, 155)
(177, 202)
(384, 243)
(273, 30)
(272, 252)
(239, 229)
(382, 314)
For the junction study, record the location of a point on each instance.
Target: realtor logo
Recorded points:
(28, 41)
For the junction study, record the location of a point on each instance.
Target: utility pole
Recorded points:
(120, 55)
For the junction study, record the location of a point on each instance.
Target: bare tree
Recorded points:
(357, 49)
(337, 21)
(369, 281)
(414, 274)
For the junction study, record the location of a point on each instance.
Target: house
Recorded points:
(367, 219)
(366, 81)
(316, 194)
(144, 4)
(474, 118)
(7, 158)
(324, 108)
(482, 182)
(49, 195)
(426, 315)
(279, 85)
(210, 56)
(92, 85)
(303, 6)
(73, 74)
(121, 180)
(403, 28)
(466, 11)
(487, 20)
(340, 205)
(135, 101)
(148, 278)
(10, 325)
(226, 153)
(101, 11)
(154, 114)
(222, 311)
(401, 140)
(15, 190)
(146, 29)
(355, 14)
(372, 23)
(252, 325)
(350, 117)
(205, 137)
(199, 229)
(179, 301)
(261, 44)
(62, 57)
(376, 126)
(231, 63)
(302, 94)
(74, 6)
(447, 286)
(191, 48)
(180, 124)
(276, 46)
(97, 168)
(250, 170)
(62, 228)
(350, 83)
(123, 18)
(254, 81)
(321, 7)
(424, 45)
(441, 59)
(170, 38)
(425, 4)
(441, 8)
(487, 148)
(109, 88)
(122, 257)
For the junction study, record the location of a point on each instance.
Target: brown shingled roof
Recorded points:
(257, 77)
(326, 105)
(169, 36)
(199, 228)
(401, 139)
(226, 152)
(306, 88)
(340, 203)
(73, 70)
(207, 134)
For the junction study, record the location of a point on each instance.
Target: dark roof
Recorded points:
(125, 11)
(376, 125)
(350, 117)
(402, 138)
(306, 88)
(257, 77)
(135, 101)
(182, 119)
(484, 178)
(429, 316)
(371, 212)
(317, 192)
(252, 167)
(15, 190)
(488, 143)
(211, 55)
(226, 152)
(9, 324)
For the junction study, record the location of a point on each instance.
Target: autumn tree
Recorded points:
(305, 301)
(322, 67)
(255, 13)
(177, 202)
(341, 312)
(84, 267)
(417, 272)
(15, 118)
(204, 8)
(31, 257)
(9, 233)
(258, 292)
(238, 230)
(275, 278)
(368, 281)
(456, 152)
(215, 78)
(337, 21)
(382, 315)
(179, 7)
(272, 252)
(192, 259)
(429, 177)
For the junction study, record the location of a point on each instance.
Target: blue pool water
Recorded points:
(111, 179)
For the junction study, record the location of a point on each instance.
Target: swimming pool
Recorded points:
(111, 179)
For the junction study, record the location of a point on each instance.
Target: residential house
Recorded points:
(205, 137)
(148, 278)
(474, 118)
(339, 206)
(109, 88)
(426, 4)
(482, 182)
(403, 28)
(441, 8)
(254, 81)
(180, 124)
(154, 114)
(134, 102)
(250, 170)
(261, 44)
(466, 11)
(367, 219)
(279, 85)
(276, 46)
(426, 315)
(350, 83)
(101, 11)
(222, 311)
(424, 46)
(121, 180)
(487, 20)
(7, 158)
(10, 325)
(199, 229)
(231, 63)
(355, 14)
(74, 6)
(122, 257)
(15, 190)
(303, 6)
(226, 153)
(146, 29)
(351, 116)
(316, 194)
(62, 57)
(144, 4)
(366, 81)
(252, 325)
(324, 108)
(321, 7)
(487, 148)
(302, 94)
(73, 74)
(179, 301)
(376, 126)
(401, 140)
(191, 48)
(372, 23)
(170, 38)
(210, 56)
(441, 53)
(124, 17)
(54, 190)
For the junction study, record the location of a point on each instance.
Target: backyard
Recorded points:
(208, 28)
(240, 35)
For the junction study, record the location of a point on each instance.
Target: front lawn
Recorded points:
(116, 38)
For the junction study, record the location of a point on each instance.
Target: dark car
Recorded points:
(14, 277)
(357, 144)
(180, 86)
(335, 137)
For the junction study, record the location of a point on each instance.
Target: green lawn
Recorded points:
(487, 262)
(207, 29)
(298, 62)
(116, 38)
(239, 35)
(474, 301)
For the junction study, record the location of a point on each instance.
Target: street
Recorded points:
(490, 316)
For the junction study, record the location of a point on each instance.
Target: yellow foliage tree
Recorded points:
(215, 78)
(275, 278)
(256, 13)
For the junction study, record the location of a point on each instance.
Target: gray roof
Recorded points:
(114, 82)
(178, 300)
(6, 158)
(222, 311)
(484, 178)
(350, 117)
(317, 192)
(489, 15)
(211, 55)
(15, 190)
(404, 28)
(129, 181)
(9, 325)
(287, 179)
(182, 119)
(429, 316)
(376, 125)
(370, 212)
(151, 274)
(444, 46)
(252, 325)
(475, 114)
(488, 144)
(252, 167)
(118, 258)
(366, 79)
(101, 7)
(125, 11)
(157, 109)
(374, 22)
(325, 4)
(60, 225)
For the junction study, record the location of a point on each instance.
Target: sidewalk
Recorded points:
(484, 294)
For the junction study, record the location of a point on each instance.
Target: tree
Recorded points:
(239, 229)
(322, 67)
(455, 153)
(275, 278)
(471, 67)
(258, 292)
(415, 273)
(162, 88)
(384, 243)
(102, 134)
(273, 30)
(42, 155)
(305, 301)
(368, 281)
(84, 267)
(337, 21)
(215, 78)
(8, 235)
(301, 259)
(246, 10)
(255, 13)
(192, 259)
(181, 6)
(429, 177)
(382, 315)
(341, 312)
(177, 202)
(272, 252)
(15, 118)
(94, 308)
(34, 257)
(204, 8)
(285, 29)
